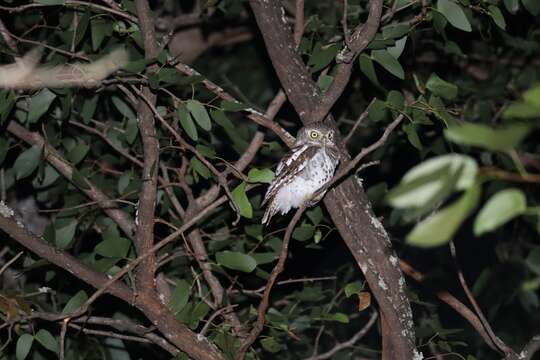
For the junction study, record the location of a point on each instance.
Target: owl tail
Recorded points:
(270, 211)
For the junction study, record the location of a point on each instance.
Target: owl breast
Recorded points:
(319, 170)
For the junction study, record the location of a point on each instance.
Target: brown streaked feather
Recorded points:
(290, 166)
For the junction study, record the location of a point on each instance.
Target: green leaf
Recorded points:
(260, 176)
(521, 110)
(377, 111)
(454, 14)
(100, 28)
(200, 168)
(503, 138)
(398, 48)
(113, 245)
(75, 302)
(441, 87)
(50, 2)
(206, 151)
(352, 288)
(27, 162)
(512, 6)
(89, 108)
(367, 68)
(64, 233)
(180, 296)
(78, 153)
(241, 201)
(497, 16)
(123, 107)
(232, 106)
(322, 56)
(199, 113)
(303, 232)
(532, 97)
(340, 317)
(439, 228)
(39, 104)
(236, 260)
(187, 122)
(499, 209)
(424, 182)
(532, 6)
(412, 135)
(47, 340)
(395, 31)
(270, 344)
(7, 100)
(24, 343)
(388, 62)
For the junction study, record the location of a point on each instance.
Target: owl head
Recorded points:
(316, 134)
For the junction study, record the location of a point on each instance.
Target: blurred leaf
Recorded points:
(232, 105)
(454, 14)
(123, 107)
(426, 180)
(398, 48)
(24, 343)
(532, 6)
(113, 245)
(260, 175)
(388, 62)
(377, 111)
(75, 302)
(395, 31)
(439, 228)
(241, 200)
(270, 344)
(499, 209)
(341, 317)
(236, 260)
(89, 108)
(532, 97)
(47, 340)
(187, 122)
(200, 114)
(100, 28)
(200, 168)
(27, 162)
(7, 100)
(77, 154)
(533, 260)
(412, 135)
(39, 104)
(441, 87)
(50, 2)
(521, 110)
(512, 6)
(503, 138)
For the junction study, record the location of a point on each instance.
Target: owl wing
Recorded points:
(290, 165)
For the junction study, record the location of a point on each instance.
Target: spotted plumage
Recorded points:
(309, 165)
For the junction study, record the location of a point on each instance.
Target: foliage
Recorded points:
(464, 166)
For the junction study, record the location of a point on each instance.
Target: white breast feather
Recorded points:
(319, 170)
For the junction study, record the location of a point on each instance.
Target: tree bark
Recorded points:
(347, 203)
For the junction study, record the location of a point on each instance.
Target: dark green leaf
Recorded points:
(50, 2)
(24, 343)
(353, 288)
(39, 104)
(77, 154)
(64, 233)
(113, 245)
(367, 68)
(454, 14)
(232, 106)
(200, 114)
(270, 344)
(180, 296)
(441, 87)
(388, 62)
(123, 107)
(512, 6)
(377, 111)
(504, 138)
(241, 201)
(89, 108)
(497, 16)
(395, 31)
(499, 209)
(27, 162)
(303, 232)
(75, 302)
(532, 6)
(322, 56)
(236, 260)
(7, 100)
(187, 122)
(100, 28)
(47, 340)
(200, 168)
(260, 176)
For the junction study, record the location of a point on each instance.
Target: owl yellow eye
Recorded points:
(313, 134)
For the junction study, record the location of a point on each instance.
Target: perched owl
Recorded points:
(305, 169)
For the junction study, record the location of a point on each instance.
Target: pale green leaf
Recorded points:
(236, 260)
(503, 138)
(454, 14)
(260, 176)
(441, 87)
(39, 104)
(241, 201)
(187, 122)
(499, 209)
(24, 343)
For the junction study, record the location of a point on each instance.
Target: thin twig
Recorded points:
(360, 119)
(261, 317)
(11, 261)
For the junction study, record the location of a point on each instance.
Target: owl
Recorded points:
(309, 165)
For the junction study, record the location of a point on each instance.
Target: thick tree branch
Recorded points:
(347, 204)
